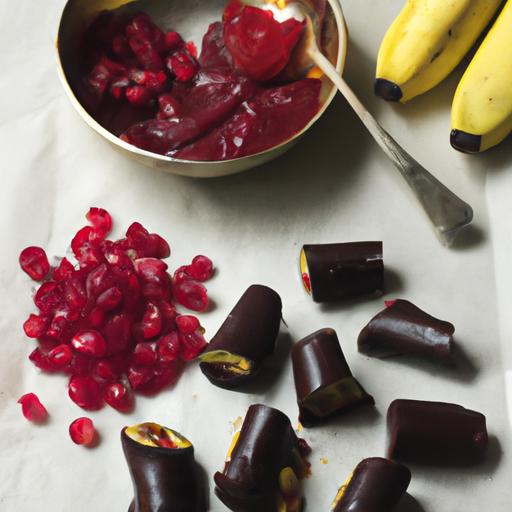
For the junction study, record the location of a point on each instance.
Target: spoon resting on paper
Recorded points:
(447, 212)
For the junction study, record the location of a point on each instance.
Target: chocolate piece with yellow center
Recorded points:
(332, 272)
(164, 473)
(403, 328)
(264, 465)
(435, 433)
(376, 485)
(245, 339)
(323, 380)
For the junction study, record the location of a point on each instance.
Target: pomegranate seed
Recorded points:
(192, 49)
(155, 281)
(74, 293)
(137, 75)
(191, 295)
(138, 376)
(144, 354)
(201, 268)
(41, 361)
(98, 280)
(105, 370)
(47, 297)
(96, 317)
(169, 347)
(159, 247)
(173, 41)
(187, 324)
(80, 366)
(183, 66)
(64, 270)
(90, 343)
(169, 105)
(389, 303)
(151, 321)
(120, 46)
(101, 222)
(58, 328)
(163, 376)
(155, 82)
(119, 397)
(82, 431)
(138, 95)
(193, 344)
(32, 408)
(110, 299)
(34, 326)
(85, 392)
(181, 274)
(34, 262)
(60, 356)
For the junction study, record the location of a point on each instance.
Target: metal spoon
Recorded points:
(446, 211)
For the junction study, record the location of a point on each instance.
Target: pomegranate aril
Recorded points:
(110, 299)
(96, 317)
(138, 95)
(181, 274)
(105, 370)
(191, 295)
(119, 397)
(60, 356)
(389, 303)
(159, 247)
(34, 326)
(120, 46)
(155, 281)
(144, 354)
(74, 293)
(32, 408)
(82, 431)
(41, 361)
(169, 347)
(192, 345)
(147, 56)
(183, 66)
(169, 105)
(100, 219)
(99, 280)
(173, 41)
(117, 331)
(80, 366)
(89, 343)
(187, 324)
(48, 297)
(139, 375)
(192, 49)
(64, 270)
(163, 375)
(151, 321)
(201, 268)
(85, 392)
(34, 262)
(155, 82)
(58, 328)
(137, 75)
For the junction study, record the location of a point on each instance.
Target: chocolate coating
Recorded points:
(319, 363)
(376, 485)
(341, 271)
(435, 433)
(266, 445)
(250, 331)
(403, 328)
(164, 479)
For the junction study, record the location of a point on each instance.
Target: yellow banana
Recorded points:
(426, 42)
(482, 106)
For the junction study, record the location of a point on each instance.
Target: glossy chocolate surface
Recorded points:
(376, 485)
(403, 328)
(250, 331)
(266, 445)
(164, 479)
(342, 271)
(435, 433)
(318, 362)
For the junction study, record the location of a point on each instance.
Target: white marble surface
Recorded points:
(335, 186)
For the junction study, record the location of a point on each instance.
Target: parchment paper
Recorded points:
(335, 186)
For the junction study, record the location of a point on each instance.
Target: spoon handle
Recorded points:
(447, 212)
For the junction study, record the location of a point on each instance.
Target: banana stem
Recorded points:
(447, 212)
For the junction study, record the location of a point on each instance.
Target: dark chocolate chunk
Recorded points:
(323, 380)
(376, 485)
(164, 479)
(264, 465)
(334, 272)
(403, 328)
(435, 433)
(245, 339)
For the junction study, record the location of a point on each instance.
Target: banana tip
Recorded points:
(465, 142)
(387, 90)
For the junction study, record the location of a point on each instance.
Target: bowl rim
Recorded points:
(163, 159)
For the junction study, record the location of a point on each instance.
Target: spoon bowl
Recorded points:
(190, 18)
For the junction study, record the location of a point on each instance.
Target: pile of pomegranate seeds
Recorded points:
(110, 322)
(82, 431)
(135, 61)
(32, 408)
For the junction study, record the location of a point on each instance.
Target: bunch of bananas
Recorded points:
(428, 40)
